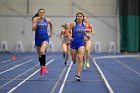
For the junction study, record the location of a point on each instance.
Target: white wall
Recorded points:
(58, 7)
(13, 29)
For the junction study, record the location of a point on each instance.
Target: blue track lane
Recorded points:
(22, 75)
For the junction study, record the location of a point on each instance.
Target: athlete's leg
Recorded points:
(64, 47)
(39, 55)
(74, 55)
(40, 60)
(43, 51)
(87, 51)
(43, 47)
(68, 52)
(84, 58)
(43, 56)
(80, 60)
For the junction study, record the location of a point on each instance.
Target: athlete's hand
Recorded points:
(34, 23)
(38, 18)
(71, 39)
(88, 37)
(50, 35)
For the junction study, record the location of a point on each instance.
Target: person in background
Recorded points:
(65, 43)
(89, 30)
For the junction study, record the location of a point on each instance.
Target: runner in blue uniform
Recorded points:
(77, 41)
(40, 26)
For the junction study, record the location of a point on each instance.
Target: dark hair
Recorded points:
(36, 15)
(78, 14)
(75, 20)
(65, 25)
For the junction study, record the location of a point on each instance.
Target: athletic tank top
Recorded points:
(41, 30)
(87, 28)
(65, 33)
(78, 32)
(65, 36)
(88, 31)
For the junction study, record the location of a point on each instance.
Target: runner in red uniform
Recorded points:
(65, 42)
(89, 30)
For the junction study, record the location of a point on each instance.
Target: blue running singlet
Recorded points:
(41, 32)
(78, 36)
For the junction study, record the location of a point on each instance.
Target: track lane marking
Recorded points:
(14, 88)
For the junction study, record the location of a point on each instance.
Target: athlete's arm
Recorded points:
(85, 32)
(86, 35)
(51, 27)
(69, 29)
(34, 23)
(92, 30)
(61, 35)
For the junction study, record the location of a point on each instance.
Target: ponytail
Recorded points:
(75, 20)
(36, 15)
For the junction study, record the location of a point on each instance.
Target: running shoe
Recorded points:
(41, 70)
(45, 70)
(78, 78)
(88, 65)
(66, 63)
(85, 65)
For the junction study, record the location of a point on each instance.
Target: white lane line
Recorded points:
(5, 61)
(14, 62)
(103, 77)
(14, 88)
(17, 76)
(58, 80)
(1, 57)
(70, 80)
(17, 66)
(10, 59)
(117, 56)
(131, 69)
(63, 84)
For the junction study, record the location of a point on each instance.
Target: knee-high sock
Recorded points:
(40, 60)
(43, 57)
